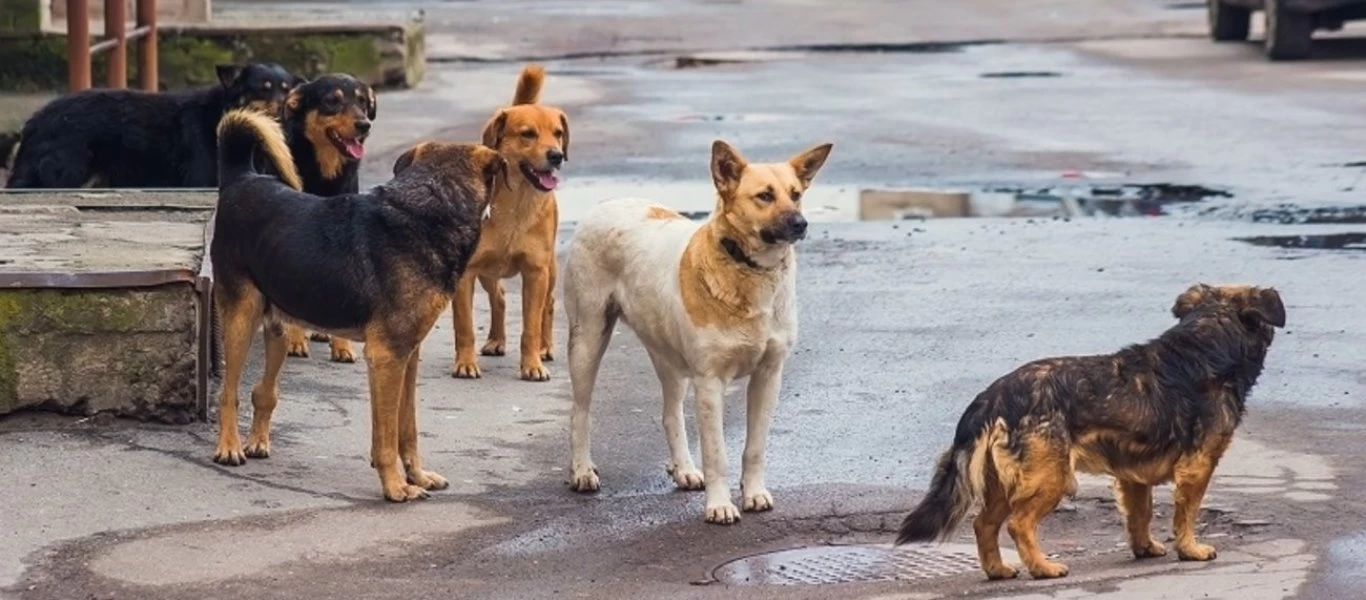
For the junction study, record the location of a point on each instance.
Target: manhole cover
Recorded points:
(848, 564)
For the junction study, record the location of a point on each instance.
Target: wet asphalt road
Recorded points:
(902, 323)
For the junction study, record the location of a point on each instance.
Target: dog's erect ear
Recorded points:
(372, 104)
(1265, 305)
(727, 164)
(1190, 299)
(564, 142)
(493, 132)
(809, 162)
(407, 159)
(227, 74)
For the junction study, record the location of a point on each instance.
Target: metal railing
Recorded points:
(79, 49)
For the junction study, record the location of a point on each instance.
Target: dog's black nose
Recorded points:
(796, 225)
(554, 157)
(363, 127)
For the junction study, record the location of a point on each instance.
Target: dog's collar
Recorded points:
(733, 249)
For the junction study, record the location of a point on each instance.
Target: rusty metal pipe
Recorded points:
(147, 45)
(115, 27)
(77, 45)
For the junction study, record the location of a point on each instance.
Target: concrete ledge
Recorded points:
(384, 55)
(102, 304)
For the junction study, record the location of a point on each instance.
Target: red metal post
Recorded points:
(115, 20)
(147, 45)
(77, 45)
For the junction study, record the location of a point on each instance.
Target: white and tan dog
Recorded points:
(711, 303)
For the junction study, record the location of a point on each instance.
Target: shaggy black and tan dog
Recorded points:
(1151, 413)
(130, 138)
(377, 267)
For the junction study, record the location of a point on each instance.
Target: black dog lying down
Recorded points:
(1151, 413)
(129, 138)
(377, 267)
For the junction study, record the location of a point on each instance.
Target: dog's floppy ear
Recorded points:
(493, 132)
(227, 74)
(727, 164)
(494, 165)
(407, 159)
(564, 142)
(1265, 305)
(809, 162)
(372, 106)
(1189, 299)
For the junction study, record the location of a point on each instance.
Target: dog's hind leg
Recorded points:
(341, 350)
(548, 321)
(240, 313)
(1044, 475)
(387, 370)
(407, 433)
(711, 434)
(987, 529)
(535, 288)
(762, 398)
(1135, 503)
(497, 344)
(1193, 473)
(462, 317)
(591, 320)
(266, 394)
(685, 474)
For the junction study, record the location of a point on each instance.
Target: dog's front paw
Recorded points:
(229, 452)
(405, 493)
(1048, 570)
(466, 370)
(427, 480)
(494, 348)
(258, 446)
(759, 501)
(535, 372)
(723, 514)
(319, 336)
(1153, 549)
(1199, 552)
(1001, 571)
(687, 478)
(297, 347)
(585, 479)
(548, 355)
(342, 353)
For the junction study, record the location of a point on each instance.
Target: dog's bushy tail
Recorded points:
(243, 133)
(529, 85)
(958, 481)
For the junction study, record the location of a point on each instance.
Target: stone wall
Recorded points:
(131, 352)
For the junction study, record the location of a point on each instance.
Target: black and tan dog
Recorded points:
(326, 122)
(1152, 413)
(128, 138)
(377, 267)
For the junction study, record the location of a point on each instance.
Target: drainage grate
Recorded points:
(847, 564)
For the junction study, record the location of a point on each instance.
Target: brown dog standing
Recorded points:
(518, 237)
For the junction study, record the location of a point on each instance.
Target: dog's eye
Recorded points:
(558, 134)
(796, 196)
(529, 134)
(766, 196)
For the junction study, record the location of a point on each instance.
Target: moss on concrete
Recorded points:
(9, 373)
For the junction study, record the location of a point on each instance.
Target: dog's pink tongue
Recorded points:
(548, 179)
(354, 149)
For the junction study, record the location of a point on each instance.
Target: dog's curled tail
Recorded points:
(243, 133)
(529, 85)
(957, 484)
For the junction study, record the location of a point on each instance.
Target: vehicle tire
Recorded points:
(1289, 35)
(1228, 23)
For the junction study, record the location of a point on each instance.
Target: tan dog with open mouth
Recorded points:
(711, 303)
(519, 235)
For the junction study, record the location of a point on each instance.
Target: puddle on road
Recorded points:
(1019, 74)
(1351, 242)
(823, 565)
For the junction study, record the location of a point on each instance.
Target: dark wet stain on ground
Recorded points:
(1290, 214)
(1019, 74)
(1351, 242)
